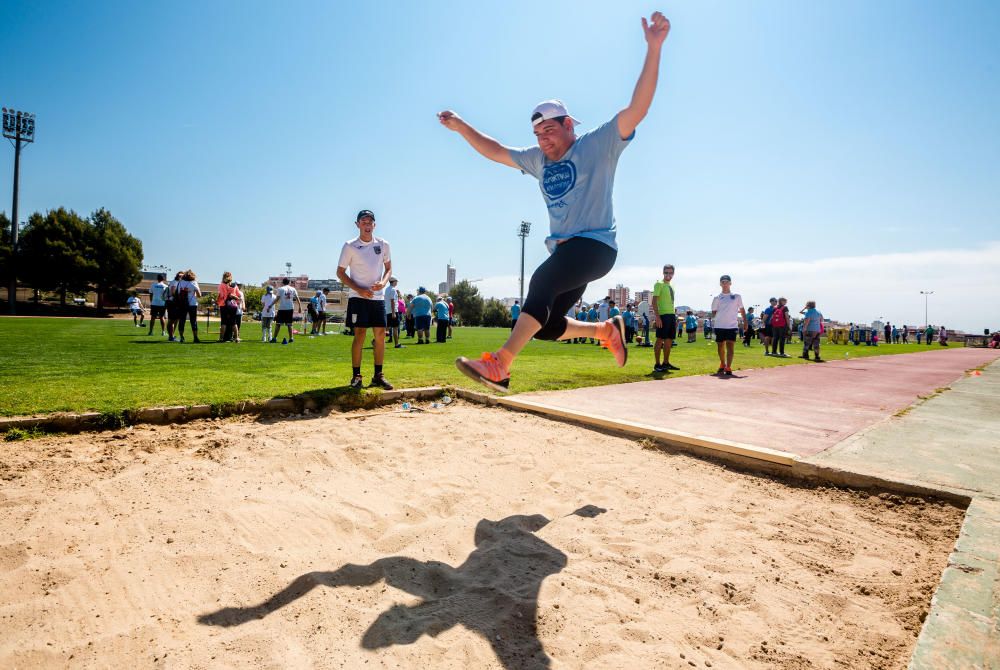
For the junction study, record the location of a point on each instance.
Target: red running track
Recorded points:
(802, 409)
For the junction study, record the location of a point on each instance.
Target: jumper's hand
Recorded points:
(378, 286)
(450, 119)
(658, 322)
(366, 293)
(656, 29)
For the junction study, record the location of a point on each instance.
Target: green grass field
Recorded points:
(108, 365)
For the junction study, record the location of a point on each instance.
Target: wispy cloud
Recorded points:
(966, 285)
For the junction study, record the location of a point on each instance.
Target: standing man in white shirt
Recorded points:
(725, 308)
(370, 263)
(392, 312)
(288, 298)
(158, 303)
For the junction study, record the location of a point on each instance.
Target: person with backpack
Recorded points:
(779, 328)
(188, 292)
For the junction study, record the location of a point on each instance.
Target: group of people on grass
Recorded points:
(729, 320)
(171, 304)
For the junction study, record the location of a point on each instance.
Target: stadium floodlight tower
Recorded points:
(523, 233)
(926, 294)
(19, 127)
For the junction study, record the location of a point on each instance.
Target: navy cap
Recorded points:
(365, 212)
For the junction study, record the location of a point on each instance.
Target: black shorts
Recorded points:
(392, 320)
(157, 311)
(561, 280)
(422, 322)
(725, 334)
(284, 317)
(768, 331)
(364, 313)
(669, 329)
(174, 309)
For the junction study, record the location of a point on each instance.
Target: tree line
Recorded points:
(474, 310)
(65, 253)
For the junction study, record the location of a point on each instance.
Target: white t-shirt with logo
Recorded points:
(727, 310)
(366, 263)
(267, 304)
(158, 292)
(286, 297)
(320, 302)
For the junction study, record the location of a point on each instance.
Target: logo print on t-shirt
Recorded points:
(559, 179)
(378, 249)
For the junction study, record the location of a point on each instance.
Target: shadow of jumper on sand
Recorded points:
(493, 593)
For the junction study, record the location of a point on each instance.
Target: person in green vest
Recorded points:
(665, 320)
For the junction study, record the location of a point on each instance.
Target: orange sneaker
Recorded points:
(615, 343)
(488, 371)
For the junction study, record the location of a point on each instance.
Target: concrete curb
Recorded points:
(964, 606)
(297, 404)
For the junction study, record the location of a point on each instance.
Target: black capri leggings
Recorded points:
(191, 313)
(560, 281)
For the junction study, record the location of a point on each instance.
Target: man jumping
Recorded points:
(576, 176)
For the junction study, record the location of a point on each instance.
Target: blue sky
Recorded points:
(240, 135)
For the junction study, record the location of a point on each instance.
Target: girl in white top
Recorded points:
(188, 292)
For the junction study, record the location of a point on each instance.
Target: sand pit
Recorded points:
(444, 540)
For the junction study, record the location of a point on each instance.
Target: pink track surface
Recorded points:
(802, 409)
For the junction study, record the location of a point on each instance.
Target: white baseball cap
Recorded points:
(550, 109)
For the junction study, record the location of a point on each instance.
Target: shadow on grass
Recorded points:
(494, 593)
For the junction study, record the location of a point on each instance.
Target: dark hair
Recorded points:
(161, 277)
(285, 281)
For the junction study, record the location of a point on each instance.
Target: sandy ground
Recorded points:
(444, 540)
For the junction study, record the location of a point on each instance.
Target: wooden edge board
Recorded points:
(646, 430)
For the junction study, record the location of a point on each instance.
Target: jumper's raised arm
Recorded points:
(656, 30)
(484, 144)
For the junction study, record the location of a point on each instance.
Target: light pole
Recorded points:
(523, 233)
(925, 294)
(20, 127)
